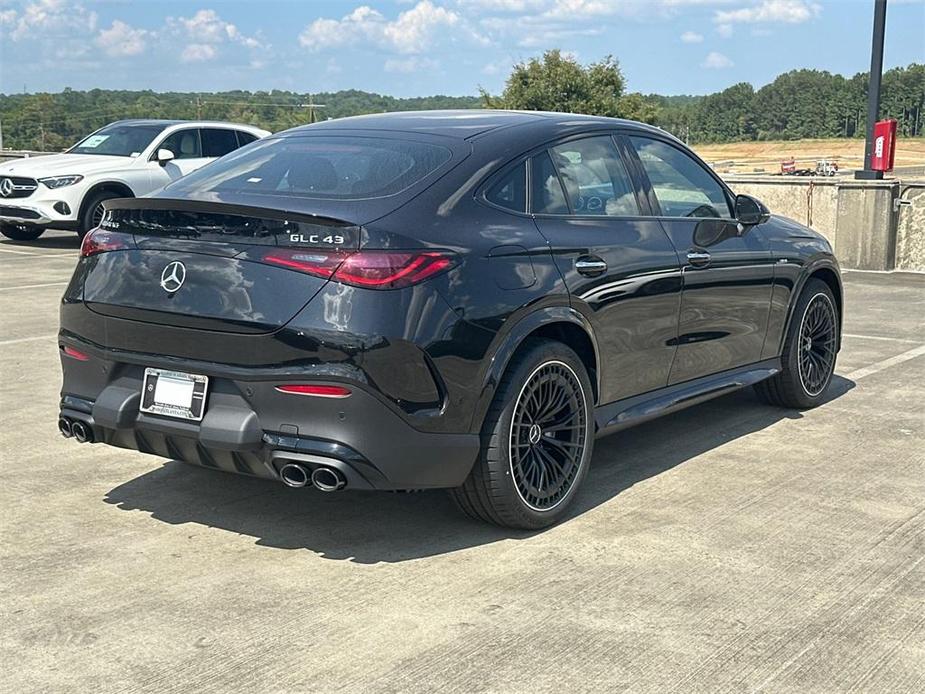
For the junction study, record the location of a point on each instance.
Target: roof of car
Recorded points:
(167, 122)
(463, 123)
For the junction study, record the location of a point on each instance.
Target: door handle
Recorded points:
(698, 258)
(590, 265)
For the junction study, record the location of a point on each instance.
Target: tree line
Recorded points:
(798, 104)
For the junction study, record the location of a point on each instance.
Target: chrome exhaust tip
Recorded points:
(294, 475)
(328, 479)
(82, 433)
(64, 426)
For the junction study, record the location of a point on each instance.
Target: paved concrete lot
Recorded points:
(732, 547)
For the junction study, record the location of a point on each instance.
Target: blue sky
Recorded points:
(420, 47)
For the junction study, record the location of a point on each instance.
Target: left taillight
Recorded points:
(102, 241)
(74, 353)
(368, 269)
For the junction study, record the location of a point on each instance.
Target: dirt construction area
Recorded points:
(732, 547)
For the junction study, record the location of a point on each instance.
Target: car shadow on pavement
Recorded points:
(369, 528)
(69, 240)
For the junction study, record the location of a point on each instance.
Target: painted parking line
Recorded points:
(7, 250)
(880, 337)
(42, 256)
(865, 371)
(33, 286)
(20, 340)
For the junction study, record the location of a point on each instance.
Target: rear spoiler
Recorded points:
(214, 207)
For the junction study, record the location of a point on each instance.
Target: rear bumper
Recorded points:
(251, 428)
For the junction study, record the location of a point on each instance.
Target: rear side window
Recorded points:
(245, 138)
(336, 167)
(682, 186)
(217, 142)
(510, 191)
(546, 196)
(595, 178)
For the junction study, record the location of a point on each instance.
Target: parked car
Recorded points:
(445, 299)
(127, 158)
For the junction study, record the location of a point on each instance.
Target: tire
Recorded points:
(808, 358)
(525, 477)
(92, 211)
(23, 233)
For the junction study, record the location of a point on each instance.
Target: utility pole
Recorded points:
(311, 106)
(873, 89)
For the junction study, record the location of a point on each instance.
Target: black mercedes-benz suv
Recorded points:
(438, 299)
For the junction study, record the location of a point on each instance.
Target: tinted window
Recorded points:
(339, 167)
(245, 138)
(546, 194)
(184, 144)
(595, 178)
(217, 143)
(683, 187)
(118, 140)
(510, 191)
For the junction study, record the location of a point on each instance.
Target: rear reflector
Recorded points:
(369, 269)
(101, 241)
(317, 390)
(74, 354)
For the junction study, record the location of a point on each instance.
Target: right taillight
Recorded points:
(102, 241)
(368, 269)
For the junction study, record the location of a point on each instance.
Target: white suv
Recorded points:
(124, 159)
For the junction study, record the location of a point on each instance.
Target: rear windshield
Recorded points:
(334, 167)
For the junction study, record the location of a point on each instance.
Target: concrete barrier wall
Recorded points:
(872, 225)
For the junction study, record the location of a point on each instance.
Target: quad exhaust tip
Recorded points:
(82, 433)
(64, 426)
(324, 479)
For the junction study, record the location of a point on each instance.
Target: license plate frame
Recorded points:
(174, 394)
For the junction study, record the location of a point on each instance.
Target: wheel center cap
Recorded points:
(535, 434)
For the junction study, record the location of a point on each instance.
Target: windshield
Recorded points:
(334, 167)
(118, 140)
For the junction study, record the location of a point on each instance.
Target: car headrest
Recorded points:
(312, 173)
(188, 144)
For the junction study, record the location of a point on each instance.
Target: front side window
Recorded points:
(510, 191)
(118, 140)
(340, 167)
(217, 142)
(595, 178)
(682, 186)
(184, 144)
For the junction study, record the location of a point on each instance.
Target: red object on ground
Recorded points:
(884, 150)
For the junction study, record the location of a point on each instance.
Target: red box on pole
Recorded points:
(881, 158)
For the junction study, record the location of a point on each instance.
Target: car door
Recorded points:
(621, 269)
(186, 145)
(217, 142)
(727, 279)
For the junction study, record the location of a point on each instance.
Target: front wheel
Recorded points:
(21, 233)
(808, 358)
(93, 212)
(537, 440)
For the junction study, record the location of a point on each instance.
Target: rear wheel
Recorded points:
(93, 211)
(808, 359)
(21, 233)
(537, 441)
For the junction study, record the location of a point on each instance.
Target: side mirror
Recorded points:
(751, 211)
(164, 156)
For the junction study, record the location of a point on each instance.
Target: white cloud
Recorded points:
(48, 19)
(786, 11)
(198, 53)
(716, 61)
(691, 37)
(206, 27)
(413, 31)
(724, 30)
(122, 40)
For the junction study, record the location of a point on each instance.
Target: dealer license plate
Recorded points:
(174, 394)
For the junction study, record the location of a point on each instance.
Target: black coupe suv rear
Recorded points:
(448, 299)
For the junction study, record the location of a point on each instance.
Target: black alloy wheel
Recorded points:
(817, 342)
(548, 432)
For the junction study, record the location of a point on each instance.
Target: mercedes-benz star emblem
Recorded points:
(6, 187)
(173, 276)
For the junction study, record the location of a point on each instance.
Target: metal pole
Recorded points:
(873, 88)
